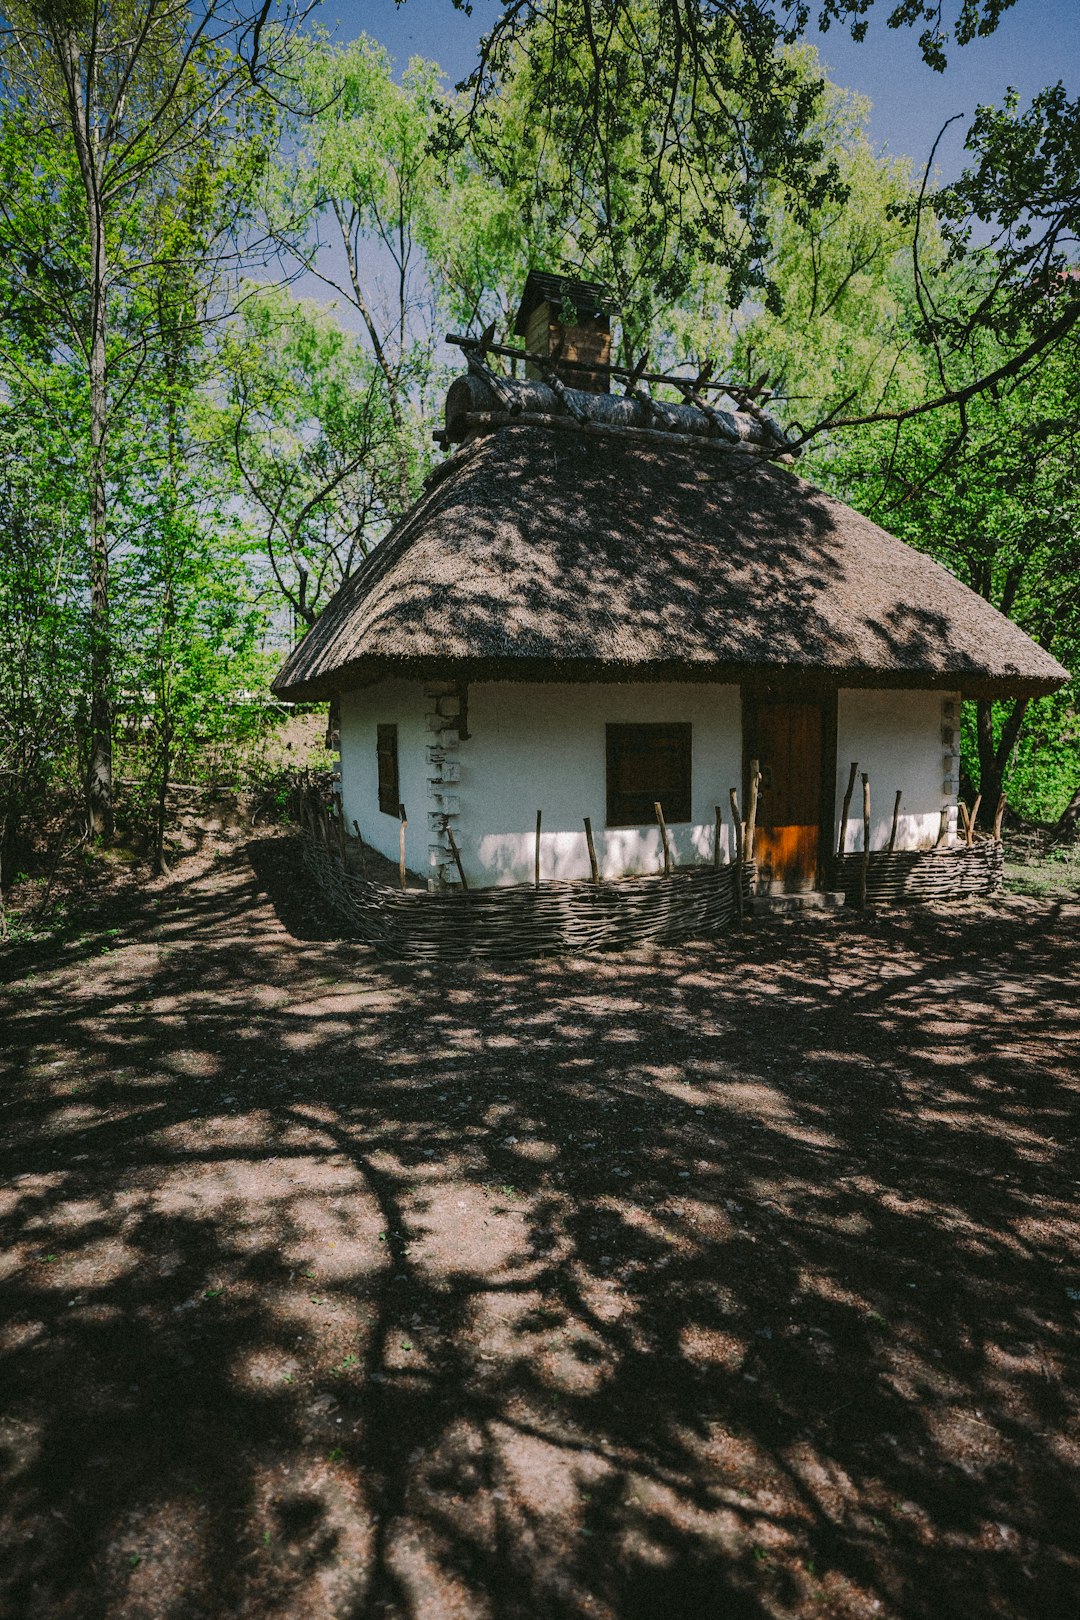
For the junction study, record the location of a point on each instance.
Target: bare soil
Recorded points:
(733, 1280)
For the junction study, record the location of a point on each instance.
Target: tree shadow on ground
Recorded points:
(733, 1279)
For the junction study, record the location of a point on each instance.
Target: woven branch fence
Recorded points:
(522, 920)
(947, 873)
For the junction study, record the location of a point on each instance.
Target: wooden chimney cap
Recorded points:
(592, 302)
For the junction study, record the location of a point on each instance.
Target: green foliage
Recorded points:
(42, 643)
(315, 444)
(659, 129)
(991, 492)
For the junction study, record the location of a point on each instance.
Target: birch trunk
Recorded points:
(80, 95)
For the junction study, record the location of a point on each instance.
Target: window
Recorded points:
(389, 796)
(647, 765)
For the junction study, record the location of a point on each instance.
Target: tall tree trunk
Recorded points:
(1069, 821)
(99, 792)
(80, 81)
(994, 756)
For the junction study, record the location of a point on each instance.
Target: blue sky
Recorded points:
(1037, 43)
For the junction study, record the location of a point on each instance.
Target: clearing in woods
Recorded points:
(733, 1280)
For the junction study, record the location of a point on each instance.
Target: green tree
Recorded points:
(317, 442)
(996, 502)
(716, 80)
(112, 115)
(41, 627)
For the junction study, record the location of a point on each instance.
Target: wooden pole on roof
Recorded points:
(662, 824)
(401, 843)
(536, 866)
(895, 820)
(592, 851)
(737, 822)
(847, 807)
(864, 865)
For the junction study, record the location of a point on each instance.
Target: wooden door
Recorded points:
(788, 747)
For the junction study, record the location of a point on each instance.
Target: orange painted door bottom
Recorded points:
(789, 806)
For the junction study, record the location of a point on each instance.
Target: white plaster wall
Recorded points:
(542, 747)
(400, 703)
(905, 740)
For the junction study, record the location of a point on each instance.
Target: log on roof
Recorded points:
(538, 554)
(476, 397)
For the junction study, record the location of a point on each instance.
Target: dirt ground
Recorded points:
(733, 1280)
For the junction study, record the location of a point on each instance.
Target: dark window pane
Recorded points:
(646, 765)
(389, 796)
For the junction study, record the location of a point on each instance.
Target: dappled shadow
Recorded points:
(733, 1279)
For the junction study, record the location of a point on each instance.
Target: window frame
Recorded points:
(386, 747)
(677, 802)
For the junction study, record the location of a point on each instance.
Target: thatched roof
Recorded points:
(545, 554)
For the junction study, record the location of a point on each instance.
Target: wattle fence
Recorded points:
(552, 918)
(523, 920)
(910, 876)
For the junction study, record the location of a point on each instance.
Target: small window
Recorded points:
(647, 765)
(389, 796)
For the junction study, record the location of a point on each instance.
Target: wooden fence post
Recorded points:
(536, 870)
(737, 820)
(974, 818)
(999, 815)
(895, 820)
(592, 851)
(716, 840)
(864, 865)
(662, 824)
(457, 858)
(847, 807)
(751, 813)
(401, 843)
(363, 849)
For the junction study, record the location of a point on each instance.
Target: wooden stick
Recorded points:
(536, 871)
(895, 820)
(973, 818)
(965, 826)
(363, 850)
(663, 837)
(847, 807)
(401, 843)
(864, 864)
(716, 839)
(943, 827)
(751, 814)
(737, 822)
(457, 858)
(513, 352)
(592, 851)
(999, 815)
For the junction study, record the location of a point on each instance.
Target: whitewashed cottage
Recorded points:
(601, 603)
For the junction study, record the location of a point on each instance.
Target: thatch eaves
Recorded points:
(544, 554)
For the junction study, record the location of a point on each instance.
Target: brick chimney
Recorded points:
(566, 320)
